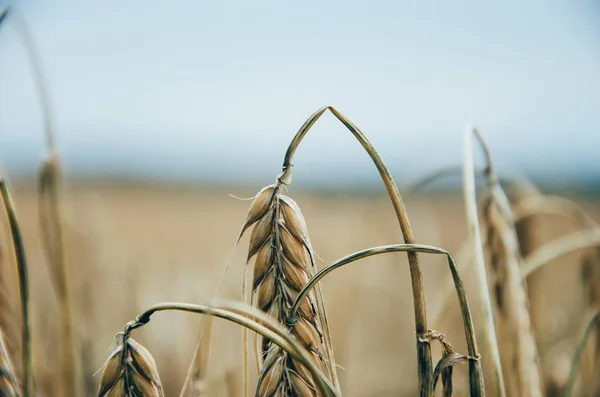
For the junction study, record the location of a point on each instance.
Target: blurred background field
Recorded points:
(134, 245)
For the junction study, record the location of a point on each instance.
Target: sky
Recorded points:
(214, 91)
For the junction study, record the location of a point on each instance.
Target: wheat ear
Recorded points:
(284, 262)
(518, 344)
(130, 371)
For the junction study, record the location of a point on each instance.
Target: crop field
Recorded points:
(130, 246)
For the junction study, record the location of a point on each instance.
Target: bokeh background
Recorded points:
(163, 111)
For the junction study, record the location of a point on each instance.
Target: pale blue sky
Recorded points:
(211, 90)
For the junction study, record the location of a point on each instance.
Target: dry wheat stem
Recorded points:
(35, 64)
(3, 14)
(195, 380)
(52, 236)
(450, 171)
(592, 322)
(254, 320)
(470, 198)
(425, 367)
(558, 247)
(531, 206)
(476, 376)
(284, 262)
(19, 250)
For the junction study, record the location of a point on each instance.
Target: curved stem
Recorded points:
(251, 319)
(470, 199)
(23, 289)
(476, 376)
(525, 208)
(558, 247)
(425, 367)
(591, 323)
(39, 81)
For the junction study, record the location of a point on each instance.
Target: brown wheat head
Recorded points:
(283, 263)
(130, 371)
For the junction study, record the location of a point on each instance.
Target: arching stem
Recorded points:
(425, 367)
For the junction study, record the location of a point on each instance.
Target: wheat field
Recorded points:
(131, 245)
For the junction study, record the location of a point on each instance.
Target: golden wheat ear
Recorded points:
(130, 371)
(283, 263)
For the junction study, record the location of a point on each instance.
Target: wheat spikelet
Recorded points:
(283, 263)
(516, 338)
(130, 371)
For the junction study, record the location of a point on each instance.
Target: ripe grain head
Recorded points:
(130, 371)
(283, 264)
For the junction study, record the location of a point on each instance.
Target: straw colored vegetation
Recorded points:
(329, 301)
(129, 247)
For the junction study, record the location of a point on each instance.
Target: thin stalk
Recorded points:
(476, 375)
(425, 366)
(590, 324)
(194, 383)
(470, 198)
(560, 246)
(35, 64)
(53, 238)
(23, 288)
(252, 319)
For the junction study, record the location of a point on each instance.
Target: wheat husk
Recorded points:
(130, 371)
(283, 264)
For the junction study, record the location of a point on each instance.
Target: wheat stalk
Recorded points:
(523, 209)
(49, 206)
(257, 321)
(52, 235)
(21, 261)
(593, 322)
(195, 381)
(424, 363)
(475, 372)
(470, 198)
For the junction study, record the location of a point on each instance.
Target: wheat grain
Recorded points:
(130, 371)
